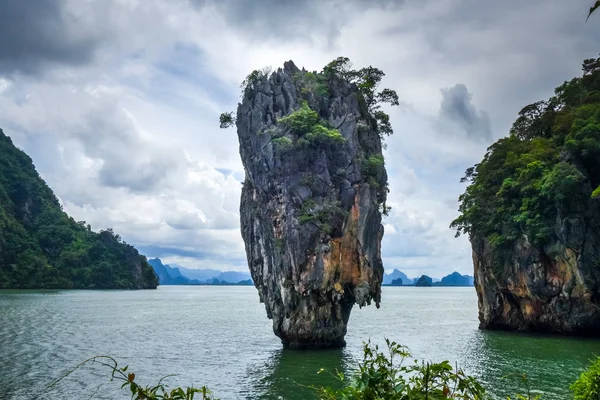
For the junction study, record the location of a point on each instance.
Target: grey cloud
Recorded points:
(34, 33)
(457, 107)
(128, 160)
(510, 53)
(403, 246)
(184, 220)
(291, 18)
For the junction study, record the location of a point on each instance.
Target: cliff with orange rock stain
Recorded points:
(310, 214)
(549, 289)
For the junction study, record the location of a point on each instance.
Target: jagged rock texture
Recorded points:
(551, 289)
(310, 276)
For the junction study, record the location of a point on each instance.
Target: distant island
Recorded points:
(424, 281)
(178, 275)
(399, 278)
(173, 274)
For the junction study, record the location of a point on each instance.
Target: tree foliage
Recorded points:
(254, 79)
(547, 168)
(226, 120)
(593, 8)
(42, 247)
(367, 80)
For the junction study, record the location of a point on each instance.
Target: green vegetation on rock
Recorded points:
(305, 123)
(254, 79)
(547, 168)
(42, 247)
(283, 143)
(367, 80)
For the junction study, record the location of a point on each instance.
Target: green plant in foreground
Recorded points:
(522, 379)
(379, 376)
(587, 387)
(392, 377)
(158, 392)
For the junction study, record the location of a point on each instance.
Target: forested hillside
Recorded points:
(42, 247)
(532, 211)
(548, 166)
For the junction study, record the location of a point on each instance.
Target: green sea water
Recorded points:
(220, 337)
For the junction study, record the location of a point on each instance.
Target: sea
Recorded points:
(220, 337)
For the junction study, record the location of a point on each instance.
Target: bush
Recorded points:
(302, 120)
(373, 165)
(312, 82)
(323, 135)
(392, 377)
(283, 143)
(311, 131)
(160, 391)
(587, 387)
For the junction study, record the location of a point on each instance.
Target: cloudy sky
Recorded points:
(117, 102)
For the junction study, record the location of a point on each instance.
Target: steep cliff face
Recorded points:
(311, 202)
(550, 288)
(532, 212)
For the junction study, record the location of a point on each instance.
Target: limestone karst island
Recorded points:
(328, 200)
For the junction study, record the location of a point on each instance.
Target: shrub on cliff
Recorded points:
(305, 123)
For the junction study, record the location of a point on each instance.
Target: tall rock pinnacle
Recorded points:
(312, 200)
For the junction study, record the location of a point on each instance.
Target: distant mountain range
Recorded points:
(177, 275)
(399, 278)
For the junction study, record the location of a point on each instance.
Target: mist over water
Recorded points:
(220, 337)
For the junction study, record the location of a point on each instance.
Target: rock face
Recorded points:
(311, 204)
(551, 289)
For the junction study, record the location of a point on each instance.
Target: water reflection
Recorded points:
(290, 374)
